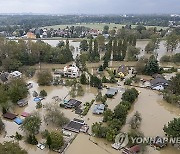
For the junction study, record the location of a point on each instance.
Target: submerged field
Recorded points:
(99, 26)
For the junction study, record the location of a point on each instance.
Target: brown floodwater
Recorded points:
(155, 114)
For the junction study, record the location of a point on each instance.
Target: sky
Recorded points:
(91, 6)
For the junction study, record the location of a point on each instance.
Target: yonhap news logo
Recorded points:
(123, 139)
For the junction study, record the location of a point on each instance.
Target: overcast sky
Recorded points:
(90, 6)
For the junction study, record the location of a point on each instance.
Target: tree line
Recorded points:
(16, 54)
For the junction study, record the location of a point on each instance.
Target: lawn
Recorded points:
(98, 26)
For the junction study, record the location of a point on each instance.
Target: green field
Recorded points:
(99, 26)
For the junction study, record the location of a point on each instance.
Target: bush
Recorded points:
(31, 139)
(105, 80)
(128, 82)
(87, 107)
(165, 59)
(38, 105)
(176, 58)
(18, 136)
(43, 93)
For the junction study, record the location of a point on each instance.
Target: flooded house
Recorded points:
(72, 103)
(122, 71)
(77, 125)
(98, 109)
(159, 83)
(71, 71)
(111, 92)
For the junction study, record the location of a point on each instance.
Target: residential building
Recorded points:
(71, 71)
(98, 109)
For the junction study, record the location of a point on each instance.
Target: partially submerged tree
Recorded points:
(11, 148)
(45, 78)
(54, 116)
(31, 124)
(173, 128)
(55, 140)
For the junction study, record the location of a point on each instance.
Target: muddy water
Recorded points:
(155, 113)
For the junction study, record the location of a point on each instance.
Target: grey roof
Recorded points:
(98, 109)
(4, 77)
(111, 91)
(158, 76)
(159, 81)
(72, 103)
(122, 69)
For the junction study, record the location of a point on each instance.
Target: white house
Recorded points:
(71, 71)
(15, 74)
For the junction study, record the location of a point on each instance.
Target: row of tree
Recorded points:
(117, 118)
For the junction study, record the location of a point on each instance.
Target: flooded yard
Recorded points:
(154, 111)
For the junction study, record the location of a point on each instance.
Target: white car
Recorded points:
(41, 146)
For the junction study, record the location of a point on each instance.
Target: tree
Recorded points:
(83, 45)
(49, 141)
(83, 79)
(45, 78)
(132, 53)
(43, 93)
(105, 64)
(172, 41)
(108, 115)
(135, 120)
(56, 140)
(130, 95)
(31, 124)
(17, 90)
(173, 128)
(101, 42)
(61, 44)
(11, 148)
(2, 125)
(54, 116)
(98, 130)
(11, 64)
(174, 85)
(31, 139)
(152, 66)
(106, 29)
(120, 112)
(4, 98)
(95, 81)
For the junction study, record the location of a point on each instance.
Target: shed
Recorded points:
(9, 116)
(18, 121)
